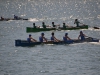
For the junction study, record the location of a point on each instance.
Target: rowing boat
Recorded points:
(32, 29)
(7, 19)
(26, 43)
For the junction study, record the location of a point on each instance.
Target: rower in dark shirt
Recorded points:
(30, 39)
(76, 22)
(64, 25)
(82, 36)
(15, 17)
(42, 38)
(2, 18)
(53, 38)
(43, 25)
(66, 39)
(53, 24)
(34, 25)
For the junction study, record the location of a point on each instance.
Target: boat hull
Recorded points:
(30, 29)
(26, 43)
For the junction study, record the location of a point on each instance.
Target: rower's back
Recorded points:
(43, 25)
(34, 25)
(53, 24)
(64, 25)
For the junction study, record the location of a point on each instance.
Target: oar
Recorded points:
(83, 23)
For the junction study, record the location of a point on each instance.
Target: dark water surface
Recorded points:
(74, 59)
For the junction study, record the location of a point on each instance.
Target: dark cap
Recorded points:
(42, 33)
(66, 34)
(81, 32)
(52, 33)
(29, 34)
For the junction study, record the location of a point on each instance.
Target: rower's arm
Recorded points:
(74, 22)
(79, 37)
(56, 39)
(34, 40)
(68, 38)
(45, 39)
(85, 35)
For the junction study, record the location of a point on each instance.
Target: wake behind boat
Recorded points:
(25, 43)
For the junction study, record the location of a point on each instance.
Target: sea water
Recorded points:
(73, 59)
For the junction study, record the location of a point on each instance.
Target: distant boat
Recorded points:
(7, 19)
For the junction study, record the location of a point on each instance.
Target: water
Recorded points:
(74, 59)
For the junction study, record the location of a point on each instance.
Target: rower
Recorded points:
(53, 24)
(34, 25)
(82, 36)
(15, 17)
(42, 38)
(66, 39)
(2, 18)
(43, 25)
(64, 26)
(76, 22)
(53, 38)
(30, 39)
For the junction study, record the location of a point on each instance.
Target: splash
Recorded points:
(95, 43)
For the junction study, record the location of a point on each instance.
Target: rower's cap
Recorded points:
(29, 34)
(42, 33)
(52, 33)
(66, 34)
(81, 32)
